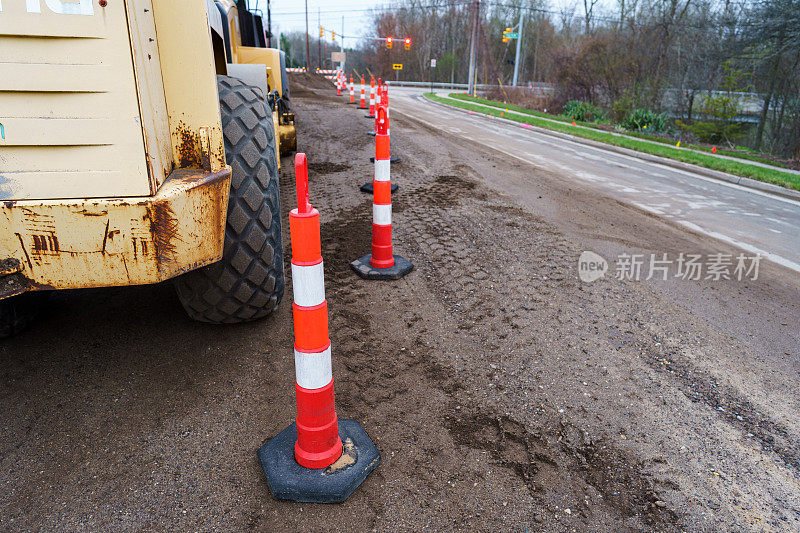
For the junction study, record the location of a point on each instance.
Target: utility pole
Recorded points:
(319, 43)
(536, 50)
(341, 45)
(308, 53)
(519, 42)
(473, 44)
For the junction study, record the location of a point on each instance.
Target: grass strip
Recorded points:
(739, 154)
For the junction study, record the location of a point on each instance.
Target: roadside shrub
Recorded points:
(645, 120)
(524, 97)
(715, 132)
(621, 108)
(584, 112)
(720, 111)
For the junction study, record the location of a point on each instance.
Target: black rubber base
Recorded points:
(367, 187)
(392, 159)
(370, 116)
(290, 481)
(371, 133)
(402, 266)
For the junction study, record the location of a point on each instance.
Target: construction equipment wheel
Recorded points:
(248, 282)
(17, 312)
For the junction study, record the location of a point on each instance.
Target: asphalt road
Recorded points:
(755, 221)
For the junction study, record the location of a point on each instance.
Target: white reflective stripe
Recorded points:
(308, 283)
(382, 214)
(313, 370)
(381, 170)
(378, 98)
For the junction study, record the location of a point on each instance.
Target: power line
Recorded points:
(381, 8)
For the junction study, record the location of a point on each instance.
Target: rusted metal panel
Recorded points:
(190, 82)
(150, 89)
(67, 244)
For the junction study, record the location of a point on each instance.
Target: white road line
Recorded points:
(775, 258)
(640, 162)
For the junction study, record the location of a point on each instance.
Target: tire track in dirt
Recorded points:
(455, 248)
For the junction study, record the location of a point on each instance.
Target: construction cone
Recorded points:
(339, 86)
(385, 98)
(382, 96)
(319, 458)
(713, 149)
(363, 103)
(375, 128)
(371, 113)
(382, 263)
(352, 92)
(367, 187)
(378, 90)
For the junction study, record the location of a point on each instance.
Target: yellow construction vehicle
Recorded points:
(130, 153)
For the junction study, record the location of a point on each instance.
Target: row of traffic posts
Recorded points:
(320, 458)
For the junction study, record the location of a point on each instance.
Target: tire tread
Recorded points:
(248, 283)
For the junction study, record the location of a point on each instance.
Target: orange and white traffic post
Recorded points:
(300, 463)
(382, 263)
(339, 85)
(367, 187)
(363, 103)
(371, 113)
(352, 91)
(375, 128)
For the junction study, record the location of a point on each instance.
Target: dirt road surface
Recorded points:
(503, 393)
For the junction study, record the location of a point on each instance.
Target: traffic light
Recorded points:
(408, 43)
(321, 32)
(506, 32)
(388, 43)
(333, 36)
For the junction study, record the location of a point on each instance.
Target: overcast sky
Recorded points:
(289, 15)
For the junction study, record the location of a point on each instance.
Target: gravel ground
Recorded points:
(502, 392)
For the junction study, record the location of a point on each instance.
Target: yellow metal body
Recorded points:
(112, 166)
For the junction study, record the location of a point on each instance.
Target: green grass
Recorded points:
(737, 168)
(739, 154)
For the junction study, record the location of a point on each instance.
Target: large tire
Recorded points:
(248, 282)
(17, 312)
